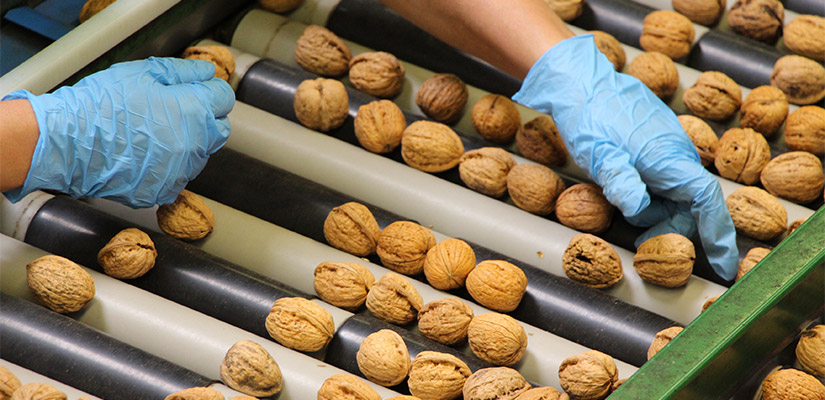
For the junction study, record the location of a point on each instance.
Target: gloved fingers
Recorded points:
(659, 210)
(619, 179)
(216, 93)
(218, 139)
(681, 222)
(175, 71)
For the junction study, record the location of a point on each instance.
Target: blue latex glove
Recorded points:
(135, 133)
(633, 146)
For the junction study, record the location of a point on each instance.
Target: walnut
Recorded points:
(757, 19)
(805, 35)
(796, 224)
(702, 136)
(540, 393)
(383, 358)
(583, 207)
(321, 104)
(8, 383)
(188, 218)
(497, 284)
(394, 299)
(592, 261)
(667, 32)
(618, 383)
(379, 126)
(431, 146)
(802, 79)
(445, 321)
(796, 176)
(741, 155)
(403, 245)
(534, 188)
(708, 303)
(38, 391)
(714, 96)
(196, 393)
(300, 324)
(792, 384)
(753, 257)
(219, 55)
(663, 337)
(377, 74)
(437, 375)
(249, 369)
(588, 376)
(343, 284)
(539, 140)
(756, 213)
(611, 48)
(280, 6)
(657, 71)
(60, 284)
(497, 338)
(805, 130)
(567, 10)
(92, 7)
(485, 170)
(702, 12)
(496, 118)
(442, 97)
(500, 383)
(346, 386)
(764, 110)
(129, 254)
(448, 264)
(321, 52)
(810, 351)
(352, 228)
(665, 260)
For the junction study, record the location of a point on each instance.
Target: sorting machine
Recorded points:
(275, 181)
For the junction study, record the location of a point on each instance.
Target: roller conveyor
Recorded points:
(26, 376)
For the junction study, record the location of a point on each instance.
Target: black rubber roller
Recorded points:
(620, 18)
(813, 7)
(746, 61)
(68, 351)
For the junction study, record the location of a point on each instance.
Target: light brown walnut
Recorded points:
(38, 391)
(702, 12)
(9, 383)
(442, 97)
(539, 140)
(346, 386)
(431, 146)
(92, 7)
(248, 368)
(540, 393)
(588, 376)
(448, 263)
(663, 337)
(805, 130)
(497, 284)
(280, 6)
(667, 32)
(437, 376)
(805, 35)
(802, 79)
(796, 176)
(665, 260)
(352, 228)
(752, 257)
(757, 19)
(810, 351)
(188, 218)
(796, 224)
(343, 284)
(709, 302)
(321, 104)
(129, 254)
(379, 126)
(394, 299)
(584, 207)
(741, 155)
(383, 358)
(485, 170)
(534, 188)
(592, 261)
(702, 136)
(714, 96)
(445, 321)
(60, 284)
(611, 48)
(403, 246)
(756, 213)
(300, 324)
(496, 118)
(792, 384)
(567, 10)
(497, 338)
(377, 74)
(322, 52)
(196, 393)
(657, 71)
(219, 55)
(764, 110)
(499, 383)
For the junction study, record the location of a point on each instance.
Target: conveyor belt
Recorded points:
(25, 376)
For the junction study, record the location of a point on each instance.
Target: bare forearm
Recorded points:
(511, 35)
(18, 138)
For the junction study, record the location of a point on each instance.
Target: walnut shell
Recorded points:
(805, 130)
(702, 136)
(9, 383)
(383, 358)
(448, 263)
(567, 10)
(741, 155)
(219, 55)
(539, 140)
(663, 337)
(802, 79)
(300, 324)
(431, 146)
(540, 393)
(500, 383)
(756, 213)
(445, 321)
(485, 170)
(792, 384)
(534, 188)
(497, 284)
(764, 110)
(394, 299)
(611, 48)
(714, 96)
(321, 104)
(665, 260)
(796, 176)
(377, 74)
(584, 207)
(248, 368)
(442, 97)
(667, 32)
(129, 254)
(280, 6)
(403, 246)
(92, 7)
(805, 35)
(188, 218)
(496, 118)
(497, 338)
(702, 12)
(810, 351)
(657, 71)
(60, 284)
(708, 303)
(343, 284)
(588, 376)
(437, 376)
(38, 391)
(196, 393)
(752, 257)
(379, 126)
(322, 52)
(346, 386)
(352, 228)
(796, 224)
(757, 19)
(592, 261)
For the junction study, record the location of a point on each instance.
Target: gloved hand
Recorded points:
(633, 146)
(135, 133)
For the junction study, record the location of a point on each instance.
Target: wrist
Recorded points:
(19, 134)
